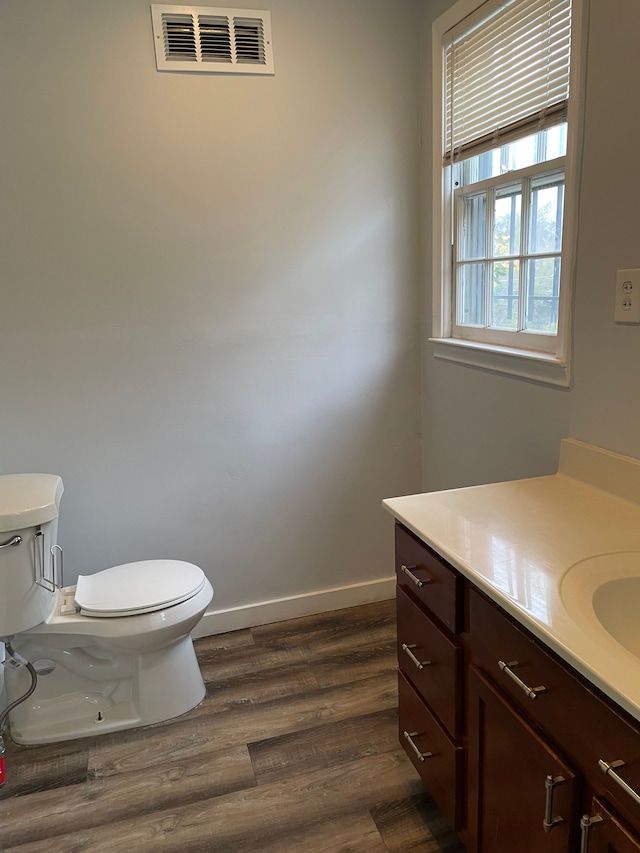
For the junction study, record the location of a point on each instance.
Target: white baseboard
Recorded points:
(279, 609)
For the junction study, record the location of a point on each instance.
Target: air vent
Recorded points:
(194, 38)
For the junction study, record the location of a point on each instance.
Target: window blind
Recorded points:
(506, 75)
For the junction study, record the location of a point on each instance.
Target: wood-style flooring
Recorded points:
(293, 750)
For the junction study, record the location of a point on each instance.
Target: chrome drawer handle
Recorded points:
(608, 769)
(419, 583)
(422, 756)
(532, 692)
(420, 664)
(550, 784)
(585, 825)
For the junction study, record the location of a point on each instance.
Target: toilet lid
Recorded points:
(135, 588)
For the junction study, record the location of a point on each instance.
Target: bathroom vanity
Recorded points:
(519, 655)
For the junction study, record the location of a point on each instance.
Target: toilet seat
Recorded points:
(136, 588)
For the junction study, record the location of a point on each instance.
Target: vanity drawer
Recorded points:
(431, 661)
(496, 640)
(582, 722)
(441, 765)
(429, 579)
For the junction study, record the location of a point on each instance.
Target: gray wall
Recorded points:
(605, 405)
(479, 427)
(209, 289)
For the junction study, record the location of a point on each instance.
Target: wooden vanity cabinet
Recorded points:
(507, 738)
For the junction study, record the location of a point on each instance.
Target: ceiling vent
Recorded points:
(196, 38)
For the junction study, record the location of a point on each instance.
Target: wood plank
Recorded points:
(303, 641)
(326, 630)
(252, 688)
(316, 670)
(247, 816)
(356, 833)
(30, 770)
(324, 746)
(355, 664)
(188, 737)
(217, 642)
(105, 800)
(415, 824)
(221, 664)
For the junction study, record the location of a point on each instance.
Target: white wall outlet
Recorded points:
(628, 296)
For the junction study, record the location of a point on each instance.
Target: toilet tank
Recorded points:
(29, 506)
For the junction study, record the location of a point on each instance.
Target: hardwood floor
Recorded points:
(294, 748)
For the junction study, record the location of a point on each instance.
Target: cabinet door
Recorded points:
(510, 767)
(608, 833)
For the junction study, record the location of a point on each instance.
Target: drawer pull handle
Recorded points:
(532, 692)
(422, 756)
(420, 664)
(419, 583)
(608, 768)
(585, 826)
(550, 784)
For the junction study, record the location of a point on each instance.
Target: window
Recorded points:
(505, 161)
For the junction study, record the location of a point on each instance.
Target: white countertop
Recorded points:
(518, 540)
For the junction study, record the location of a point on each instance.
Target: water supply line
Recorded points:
(13, 660)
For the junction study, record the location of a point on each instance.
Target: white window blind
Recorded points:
(506, 75)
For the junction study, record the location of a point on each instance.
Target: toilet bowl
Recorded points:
(112, 652)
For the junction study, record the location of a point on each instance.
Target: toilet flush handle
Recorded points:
(15, 541)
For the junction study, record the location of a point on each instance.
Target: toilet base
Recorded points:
(150, 688)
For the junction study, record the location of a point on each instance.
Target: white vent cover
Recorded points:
(196, 38)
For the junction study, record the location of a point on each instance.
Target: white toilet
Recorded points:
(112, 652)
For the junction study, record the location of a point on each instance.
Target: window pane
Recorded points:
(543, 285)
(504, 294)
(556, 141)
(470, 295)
(474, 226)
(520, 154)
(507, 207)
(547, 196)
(537, 148)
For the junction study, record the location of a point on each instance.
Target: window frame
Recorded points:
(512, 353)
(524, 178)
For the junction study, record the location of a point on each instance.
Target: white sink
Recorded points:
(602, 594)
(616, 603)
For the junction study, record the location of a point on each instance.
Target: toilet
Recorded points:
(112, 652)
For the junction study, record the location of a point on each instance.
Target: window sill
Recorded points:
(525, 364)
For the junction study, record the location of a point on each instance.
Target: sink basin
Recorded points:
(602, 593)
(616, 604)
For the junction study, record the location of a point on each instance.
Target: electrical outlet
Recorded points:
(627, 296)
